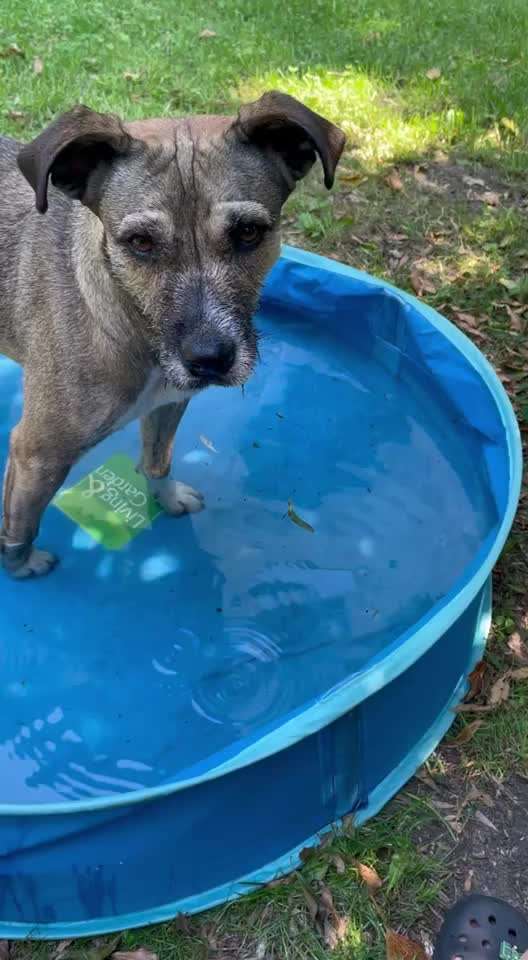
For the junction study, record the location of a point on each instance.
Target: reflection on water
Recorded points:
(126, 669)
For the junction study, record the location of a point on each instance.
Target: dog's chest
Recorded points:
(156, 393)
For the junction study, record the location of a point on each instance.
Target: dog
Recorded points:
(132, 256)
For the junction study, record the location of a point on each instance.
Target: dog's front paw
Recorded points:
(38, 564)
(176, 498)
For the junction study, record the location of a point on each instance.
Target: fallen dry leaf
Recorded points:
(13, 50)
(476, 681)
(516, 321)
(131, 76)
(208, 443)
(281, 881)
(369, 876)
(332, 926)
(38, 66)
(5, 950)
(399, 947)
(352, 176)
(474, 181)
(420, 282)
(472, 708)
(339, 863)
(311, 902)
(101, 951)
(510, 126)
(499, 692)
(466, 319)
(485, 821)
(141, 954)
(394, 181)
(434, 73)
(207, 34)
(491, 198)
(467, 733)
(295, 518)
(16, 115)
(518, 647)
(468, 882)
(521, 673)
(477, 796)
(60, 950)
(335, 931)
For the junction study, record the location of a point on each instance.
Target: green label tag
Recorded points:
(112, 504)
(507, 952)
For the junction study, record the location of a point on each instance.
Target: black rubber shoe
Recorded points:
(482, 928)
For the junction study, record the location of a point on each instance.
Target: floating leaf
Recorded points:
(38, 66)
(499, 692)
(434, 73)
(369, 876)
(207, 34)
(295, 518)
(208, 443)
(399, 947)
(394, 181)
(467, 733)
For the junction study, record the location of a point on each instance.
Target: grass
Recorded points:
(455, 215)
(276, 922)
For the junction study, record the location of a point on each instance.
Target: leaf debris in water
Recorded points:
(295, 518)
(208, 443)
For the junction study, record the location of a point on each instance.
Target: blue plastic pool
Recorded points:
(181, 716)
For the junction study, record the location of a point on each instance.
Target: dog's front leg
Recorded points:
(158, 430)
(34, 473)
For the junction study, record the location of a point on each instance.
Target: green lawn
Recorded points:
(433, 97)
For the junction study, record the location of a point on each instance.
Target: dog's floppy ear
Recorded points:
(70, 150)
(294, 132)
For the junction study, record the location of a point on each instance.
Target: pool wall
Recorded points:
(93, 866)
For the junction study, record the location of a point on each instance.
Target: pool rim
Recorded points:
(356, 688)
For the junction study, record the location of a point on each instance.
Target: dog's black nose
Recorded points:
(208, 358)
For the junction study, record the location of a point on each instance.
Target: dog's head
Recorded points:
(190, 215)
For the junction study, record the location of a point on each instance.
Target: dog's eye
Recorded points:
(141, 243)
(248, 234)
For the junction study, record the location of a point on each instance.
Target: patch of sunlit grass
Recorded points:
(375, 116)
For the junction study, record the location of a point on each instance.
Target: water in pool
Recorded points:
(127, 668)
